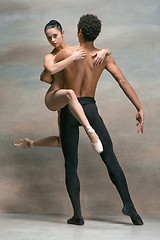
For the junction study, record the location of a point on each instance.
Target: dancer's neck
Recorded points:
(61, 47)
(87, 45)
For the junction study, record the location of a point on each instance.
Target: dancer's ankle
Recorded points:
(89, 129)
(129, 206)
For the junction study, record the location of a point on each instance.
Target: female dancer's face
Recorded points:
(54, 37)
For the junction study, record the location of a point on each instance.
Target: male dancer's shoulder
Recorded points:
(64, 53)
(109, 61)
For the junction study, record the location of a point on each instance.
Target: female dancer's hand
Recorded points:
(100, 56)
(78, 54)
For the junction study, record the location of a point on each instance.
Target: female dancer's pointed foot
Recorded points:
(26, 143)
(97, 146)
(132, 213)
(76, 220)
(94, 139)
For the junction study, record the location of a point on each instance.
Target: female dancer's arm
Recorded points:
(52, 67)
(47, 76)
(100, 56)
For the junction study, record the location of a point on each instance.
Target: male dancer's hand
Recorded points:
(140, 120)
(100, 56)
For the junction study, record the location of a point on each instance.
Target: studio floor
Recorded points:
(49, 227)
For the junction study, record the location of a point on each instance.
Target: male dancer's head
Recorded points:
(54, 33)
(89, 27)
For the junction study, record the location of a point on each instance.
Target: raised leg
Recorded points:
(60, 98)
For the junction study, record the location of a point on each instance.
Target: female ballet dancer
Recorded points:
(57, 97)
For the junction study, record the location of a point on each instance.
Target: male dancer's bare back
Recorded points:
(80, 76)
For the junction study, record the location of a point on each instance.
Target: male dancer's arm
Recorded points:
(127, 89)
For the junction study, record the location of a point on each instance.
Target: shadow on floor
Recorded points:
(111, 219)
(56, 218)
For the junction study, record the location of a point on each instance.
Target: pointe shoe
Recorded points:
(26, 143)
(98, 147)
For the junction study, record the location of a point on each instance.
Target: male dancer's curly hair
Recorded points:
(53, 24)
(90, 26)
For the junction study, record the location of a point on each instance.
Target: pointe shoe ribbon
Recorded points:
(98, 147)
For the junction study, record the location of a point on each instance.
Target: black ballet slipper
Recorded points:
(131, 212)
(76, 221)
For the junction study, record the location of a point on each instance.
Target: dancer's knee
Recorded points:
(112, 177)
(115, 173)
(70, 94)
(70, 170)
(71, 176)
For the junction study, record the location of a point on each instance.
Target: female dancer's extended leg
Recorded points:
(52, 141)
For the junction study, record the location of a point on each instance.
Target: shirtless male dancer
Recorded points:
(82, 77)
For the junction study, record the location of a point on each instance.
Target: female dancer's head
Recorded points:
(54, 33)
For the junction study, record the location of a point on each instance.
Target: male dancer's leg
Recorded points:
(115, 172)
(69, 128)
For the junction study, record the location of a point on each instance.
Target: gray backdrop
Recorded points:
(32, 181)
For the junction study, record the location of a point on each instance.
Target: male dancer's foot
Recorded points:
(26, 143)
(76, 220)
(94, 139)
(132, 213)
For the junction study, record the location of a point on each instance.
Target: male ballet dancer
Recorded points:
(82, 77)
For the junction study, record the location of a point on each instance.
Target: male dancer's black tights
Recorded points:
(69, 127)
